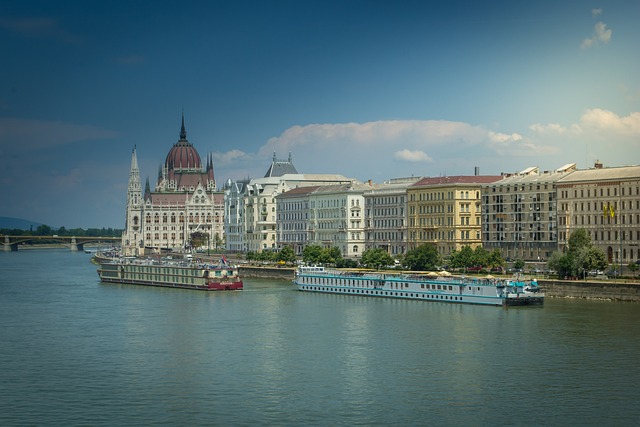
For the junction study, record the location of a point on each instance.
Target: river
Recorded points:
(74, 351)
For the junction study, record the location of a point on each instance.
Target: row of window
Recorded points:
(386, 293)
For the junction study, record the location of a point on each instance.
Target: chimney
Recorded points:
(476, 171)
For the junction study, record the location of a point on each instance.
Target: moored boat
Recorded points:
(171, 274)
(430, 287)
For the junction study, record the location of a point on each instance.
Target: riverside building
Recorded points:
(251, 205)
(606, 203)
(519, 213)
(185, 200)
(385, 216)
(446, 212)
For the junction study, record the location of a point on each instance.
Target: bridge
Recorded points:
(12, 243)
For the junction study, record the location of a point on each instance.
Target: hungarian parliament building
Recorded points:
(527, 215)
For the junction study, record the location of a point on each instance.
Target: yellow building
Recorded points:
(446, 211)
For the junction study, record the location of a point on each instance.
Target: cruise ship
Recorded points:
(428, 287)
(171, 274)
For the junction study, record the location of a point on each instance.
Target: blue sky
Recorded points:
(366, 89)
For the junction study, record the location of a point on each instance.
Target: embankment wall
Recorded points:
(267, 272)
(616, 291)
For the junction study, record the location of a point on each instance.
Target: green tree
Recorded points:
(312, 254)
(480, 257)
(43, 230)
(518, 264)
(464, 258)
(578, 240)
(346, 263)
(633, 267)
(286, 254)
(198, 239)
(376, 258)
(424, 257)
(330, 255)
(495, 260)
(581, 256)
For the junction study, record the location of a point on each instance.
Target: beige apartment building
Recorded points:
(606, 203)
(446, 211)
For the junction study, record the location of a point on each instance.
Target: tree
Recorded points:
(495, 260)
(580, 257)
(633, 267)
(518, 264)
(376, 258)
(315, 254)
(311, 254)
(198, 239)
(331, 255)
(286, 254)
(579, 239)
(424, 257)
(43, 230)
(480, 257)
(464, 258)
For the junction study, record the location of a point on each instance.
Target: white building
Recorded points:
(251, 224)
(336, 218)
(386, 216)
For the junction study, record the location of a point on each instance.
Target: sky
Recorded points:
(372, 90)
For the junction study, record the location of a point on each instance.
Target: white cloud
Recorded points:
(603, 34)
(383, 149)
(228, 157)
(600, 34)
(550, 128)
(607, 121)
(413, 156)
(504, 138)
(596, 12)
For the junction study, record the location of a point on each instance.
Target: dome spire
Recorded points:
(183, 131)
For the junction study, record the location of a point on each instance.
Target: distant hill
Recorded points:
(17, 223)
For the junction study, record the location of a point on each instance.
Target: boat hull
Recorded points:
(450, 289)
(172, 275)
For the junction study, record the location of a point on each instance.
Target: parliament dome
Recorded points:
(183, 155)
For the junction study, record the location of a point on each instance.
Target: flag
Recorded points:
(611, 211)
(224, 260)
(606, 210)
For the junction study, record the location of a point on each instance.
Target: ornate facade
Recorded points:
(185, 201)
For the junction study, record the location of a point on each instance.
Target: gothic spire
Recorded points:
(183, 131)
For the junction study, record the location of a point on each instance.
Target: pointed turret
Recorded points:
(147, 190)
(134, 190)
(183, 131)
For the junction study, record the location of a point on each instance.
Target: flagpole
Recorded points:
(620, 226)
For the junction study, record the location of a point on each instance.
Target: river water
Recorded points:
(74, 351)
